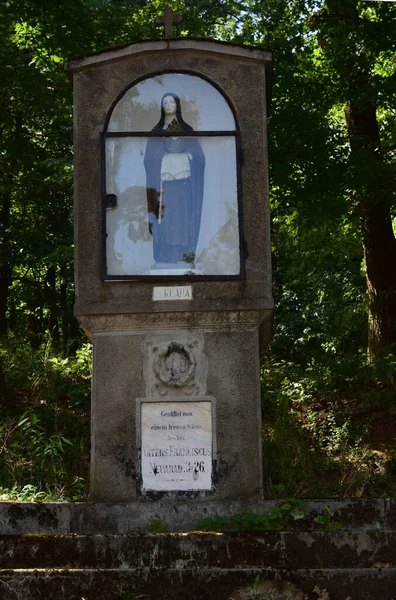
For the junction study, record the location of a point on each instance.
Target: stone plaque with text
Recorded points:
(176, 445)
(183, 292)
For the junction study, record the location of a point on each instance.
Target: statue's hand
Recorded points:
(189, 155)
(152, 219)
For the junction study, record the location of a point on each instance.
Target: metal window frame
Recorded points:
(108, 278)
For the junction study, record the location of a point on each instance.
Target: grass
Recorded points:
(44, 427)
(329, 433)
(269, 590)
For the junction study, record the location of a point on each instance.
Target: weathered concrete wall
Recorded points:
(84, 558)
(205, 584)
(355, 565)
(272, 549)
(18, 518)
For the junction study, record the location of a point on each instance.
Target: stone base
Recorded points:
(66, 557)
(17, 518)
(176, 356)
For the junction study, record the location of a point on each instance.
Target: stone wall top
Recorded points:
(250, 53)
(18, 518)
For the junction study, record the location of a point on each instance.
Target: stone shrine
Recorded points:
(173, 266)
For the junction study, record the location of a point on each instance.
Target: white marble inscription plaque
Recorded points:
(183, 292)
(176, 446)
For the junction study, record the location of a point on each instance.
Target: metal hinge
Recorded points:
(109, 201)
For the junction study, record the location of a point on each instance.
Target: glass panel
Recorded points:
(201, 105)
(176, 210)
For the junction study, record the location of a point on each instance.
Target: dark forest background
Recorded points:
(328, 378)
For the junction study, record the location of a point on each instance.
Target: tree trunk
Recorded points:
(378, 238)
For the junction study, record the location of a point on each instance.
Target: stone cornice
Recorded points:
(180, 44)
(170, 321)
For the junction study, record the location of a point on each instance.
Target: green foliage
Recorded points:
(52, 493)
(46, 452)
(323, 406)
(157, 526)
(328, 430)
(275, 519)
(318, 184)
(214, 524)
(326, 520)
(44, 432)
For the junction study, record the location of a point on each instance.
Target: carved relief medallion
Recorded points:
(174, 363)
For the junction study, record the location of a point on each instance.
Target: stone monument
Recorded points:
(173, 266)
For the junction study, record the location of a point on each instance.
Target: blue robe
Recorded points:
(175, 235)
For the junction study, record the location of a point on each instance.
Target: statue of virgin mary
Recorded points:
(175, 177)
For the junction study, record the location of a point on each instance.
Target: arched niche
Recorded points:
(171, 205)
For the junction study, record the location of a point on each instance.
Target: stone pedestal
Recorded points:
(225, 347)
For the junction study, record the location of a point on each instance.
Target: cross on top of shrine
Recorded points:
(168, 20)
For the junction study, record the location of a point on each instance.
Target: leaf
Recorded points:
(66, 441)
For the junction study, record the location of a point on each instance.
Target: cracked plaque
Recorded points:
(176, 446)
